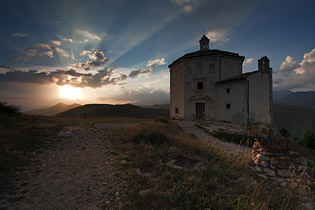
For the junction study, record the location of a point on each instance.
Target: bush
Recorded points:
(162, 120)
(6, 108)
(308, 139)
(284, 132)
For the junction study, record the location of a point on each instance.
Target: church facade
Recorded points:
(209, 85)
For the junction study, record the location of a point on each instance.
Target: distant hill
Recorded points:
(156, 106)
(107, 110)
(301, 99)
(295, 119)
(280, 93)
(51, 111)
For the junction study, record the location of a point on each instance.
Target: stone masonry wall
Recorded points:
(286, 163)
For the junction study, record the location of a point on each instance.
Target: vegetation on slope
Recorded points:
(19, 137)
(219, 181)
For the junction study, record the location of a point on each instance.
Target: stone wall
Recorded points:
(286, 163)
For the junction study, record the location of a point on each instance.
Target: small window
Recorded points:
(228, 90)
(228, 106)
(176, 110)
(199, 68)
(199, 85)
(211, 68)
(188, 70)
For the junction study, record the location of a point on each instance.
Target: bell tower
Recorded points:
(204, 43)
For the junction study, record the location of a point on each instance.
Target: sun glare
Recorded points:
(69, 92)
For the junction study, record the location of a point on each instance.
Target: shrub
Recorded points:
(284, 132)
(162, 119)
(6, 108)
(308, 139)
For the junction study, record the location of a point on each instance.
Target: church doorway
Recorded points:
(200, 111)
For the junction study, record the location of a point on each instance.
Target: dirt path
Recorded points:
(189, 127)
(78, 172)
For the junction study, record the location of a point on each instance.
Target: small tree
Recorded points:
(308, 139)
(8, 108)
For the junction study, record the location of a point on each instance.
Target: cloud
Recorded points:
(139, 72)
(248, 61)
(156, 62)
(56, 42)
(88, 35)
(143, 96)
(39, 50)
(293, 75)
(218, 35)
(85, 52)
(61, 52)
(67, 39)
(19, 34)
(97, 57)
(63, 77)
(187, 8)
(181, 2)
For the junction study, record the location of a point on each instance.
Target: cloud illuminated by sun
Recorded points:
(69, 92)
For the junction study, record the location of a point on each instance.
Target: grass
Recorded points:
(20, 136)
(221, 182)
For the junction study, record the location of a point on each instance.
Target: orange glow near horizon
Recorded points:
(69, 92)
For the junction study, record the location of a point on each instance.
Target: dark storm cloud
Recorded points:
(139, 72)
(62, 77)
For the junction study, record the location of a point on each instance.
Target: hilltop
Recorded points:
(301, 99)
(53, 110)
(108, 110)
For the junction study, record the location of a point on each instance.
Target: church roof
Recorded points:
(202, 53)
(241, 76)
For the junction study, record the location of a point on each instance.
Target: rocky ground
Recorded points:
(78, 172)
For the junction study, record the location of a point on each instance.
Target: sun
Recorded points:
(69, 92)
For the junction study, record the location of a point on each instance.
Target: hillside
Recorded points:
(280, 93)
(302, 99)
(157, 106)
(294, 118)
(51, 111)
(107, 110)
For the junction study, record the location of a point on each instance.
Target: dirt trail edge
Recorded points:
(78, 172)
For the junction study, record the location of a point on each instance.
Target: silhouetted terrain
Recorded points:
(157, 106)
(295, 119)
(107, 110)
(51, 111)
(302, 99)
(280, 93)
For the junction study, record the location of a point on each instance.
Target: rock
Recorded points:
(302, 160)
(255, 160)
(269, 172)
(262, 157)
(274, 161)
(264, 163)
(258, 169)
(292, 153)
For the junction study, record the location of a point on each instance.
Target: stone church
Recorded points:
(208, 84)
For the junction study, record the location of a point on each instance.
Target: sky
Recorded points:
(118, 51)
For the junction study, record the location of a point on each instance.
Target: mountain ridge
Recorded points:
(53, 110)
